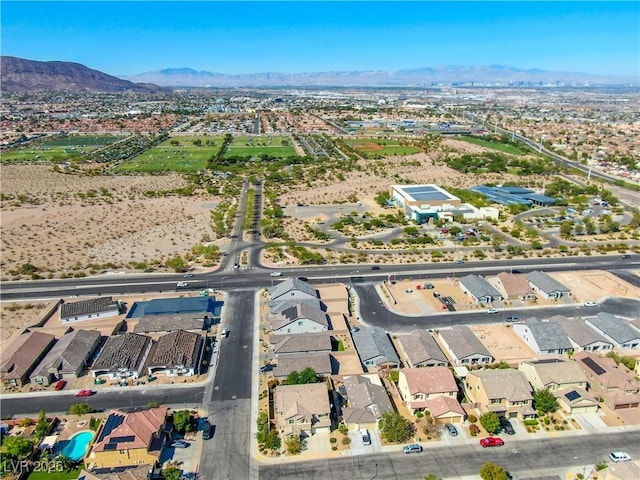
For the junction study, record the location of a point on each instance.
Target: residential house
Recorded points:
(543, 336)
(68, 357)
(615, 329)
(22, 355)
(90, 309)
(565, 379)
(479, 289)
(516, 286)
(322, 363)
(506, 392)
(301, 343)
(616, 387)
(122, 357)
(583, 337)
(547, 286)
(141, 472)
(419, 385)
(366, 399)
(419, 349)
(292, 289)
(177, 354)
(302, 409)
(301, 318)
(375, 348)
(128, 439)
(195, 322)
(463, 347)
(445, 409)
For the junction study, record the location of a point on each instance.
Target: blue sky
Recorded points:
(124, 38)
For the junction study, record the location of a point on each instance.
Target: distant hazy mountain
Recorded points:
(187, 77)
(21, 75)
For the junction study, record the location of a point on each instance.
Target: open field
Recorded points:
(178, 154)
(60, 149)
(503, 147)
(375, 148)
(244, 146)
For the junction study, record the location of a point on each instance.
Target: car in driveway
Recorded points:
(453, 431)
(491, 442)
(506, 426)
(619, 457)
(492, 310)
(85, 392)
(590, 304)
(366, 438)
(180, 444)
(60, 384)
(413, 448)
(276, 274)
(266, 368)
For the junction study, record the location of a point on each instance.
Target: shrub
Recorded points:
(474, 429)
(346, 440)
(334, 448)
(419, 414)
(531, 422)
(343, 429)
(472, 419)
(333, 440)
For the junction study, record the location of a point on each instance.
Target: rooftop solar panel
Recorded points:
(110, 446)
(595, 368)
(125, 439)
(572, 395)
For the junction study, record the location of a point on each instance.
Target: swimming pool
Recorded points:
(77, 446)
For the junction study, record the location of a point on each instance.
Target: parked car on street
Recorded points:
(85, 392)
(413, 448)
(619, 457)
(491, 442)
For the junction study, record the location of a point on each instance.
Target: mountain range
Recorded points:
(449, 74)
(21, 75)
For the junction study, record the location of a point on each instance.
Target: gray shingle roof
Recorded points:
(122, 351)
(301, 342)
(372, 342)
(281, 306)
(166, 323)
(69, 353)
(420, 347)
(479, 287)
(320, 362)
(88, 307)
(463, 342)
(301, 310)
(545, 283)
(365, 396)
(291, 284)
(549, 335)
(614, 327)
(581, 333)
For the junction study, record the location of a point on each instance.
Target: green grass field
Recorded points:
(183, 157)
(502, 147)
(244, 146)
(61, 149)
(376, 148)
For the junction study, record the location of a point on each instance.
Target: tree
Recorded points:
(80, 409)
(566, 228)
(182, 421)
(171, 473)
(431, 476)
(395, 428)
(545, 401)
(17, 447)
(491, 471)
(176, 263)
(308, 375)
(490, 422)
(65, 462)
(42, 425)
(293, 445)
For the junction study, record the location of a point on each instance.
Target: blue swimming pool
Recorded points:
(77, 446)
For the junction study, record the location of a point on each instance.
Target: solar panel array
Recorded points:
(595, 368)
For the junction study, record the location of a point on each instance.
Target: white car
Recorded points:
(619, 457)
(183, 284)
(224, 333)
(492, 310)
(276, 274)
(590, 304)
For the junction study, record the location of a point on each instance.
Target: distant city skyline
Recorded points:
(127, 38)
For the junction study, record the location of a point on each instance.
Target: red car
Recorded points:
(491, 442)
(60, 384)
(85, 392)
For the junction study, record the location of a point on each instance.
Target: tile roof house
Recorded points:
(177, 353)
(615, 329)
(445, 409)
(122, 357)
(90, 309)
(128, 439)
(479, 289)
(301, 318)
(68, 357)
(134, 473)
(608, 381)
(375, 348)
(583, 337)
(292, 289)
(420, 349)
(300, 343)
(543, 336)
(417, 385)
(22, 356)
(546, 285)
(505, 392)
(516, 286)
(169, 323)
(322, 363)
(565, 379)
(367, 400)
(302, 409)
(463, 347)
